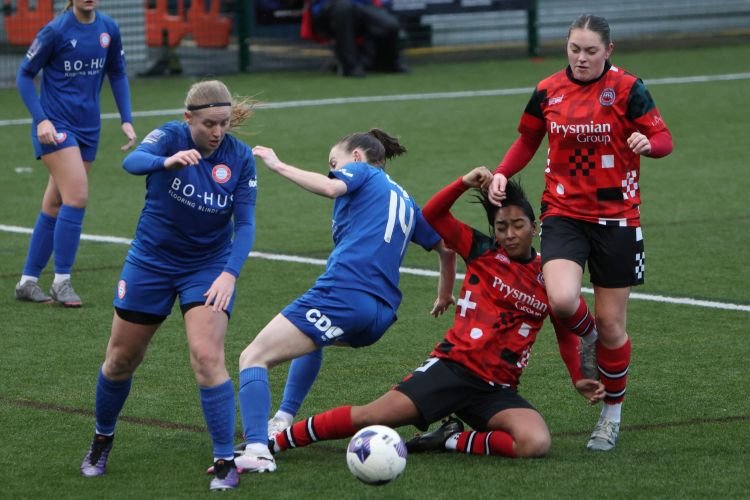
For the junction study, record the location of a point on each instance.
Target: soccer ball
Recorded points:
(376, 455)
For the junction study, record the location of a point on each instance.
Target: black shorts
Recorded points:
(614, 253)
(441, 387)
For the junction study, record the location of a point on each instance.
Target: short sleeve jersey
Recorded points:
(373, 223)
(75, 58)
(500, 309)
(591, 174)
(187, 217)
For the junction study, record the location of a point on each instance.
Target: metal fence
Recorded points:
(204, 37)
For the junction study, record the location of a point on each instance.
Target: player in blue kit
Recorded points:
(355, 301)
(193, 236)
(75, 50)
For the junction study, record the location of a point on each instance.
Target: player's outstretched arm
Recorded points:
(311, 181)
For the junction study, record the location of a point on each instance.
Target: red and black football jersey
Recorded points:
(502, 303)
(591, 174)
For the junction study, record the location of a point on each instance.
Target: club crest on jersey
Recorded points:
(555, 100)
(221, 173)
(60, 137)
(540, 279)
(121, 289)
(607, 97)
(104, 40)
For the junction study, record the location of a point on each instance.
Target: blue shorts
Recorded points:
(66, 138)
(147, 290)
(330, 316)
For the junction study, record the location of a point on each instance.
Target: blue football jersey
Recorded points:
(373, 224)
(191, 213)
(75, 58)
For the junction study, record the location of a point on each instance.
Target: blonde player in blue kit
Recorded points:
(75, 50)
(355, 301)
(193, 236)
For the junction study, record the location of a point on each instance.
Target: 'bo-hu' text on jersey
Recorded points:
(187, 217)
(75, 58)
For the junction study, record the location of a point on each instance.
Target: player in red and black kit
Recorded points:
(599, 120)
(474, 371)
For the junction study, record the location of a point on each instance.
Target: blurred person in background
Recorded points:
(365, 34)
(75, 51)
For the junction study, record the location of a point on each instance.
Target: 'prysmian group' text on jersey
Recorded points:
(591, 173)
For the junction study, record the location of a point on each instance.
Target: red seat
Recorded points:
(162, 26)
(22, 26)
(209, 27)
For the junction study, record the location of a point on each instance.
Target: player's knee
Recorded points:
(251, 357)
(206, 361)
(120, 366)
(533, 445)
(563, 303)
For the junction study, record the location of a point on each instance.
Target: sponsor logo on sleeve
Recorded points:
(121, 289)
(154, 136)
(34, 49)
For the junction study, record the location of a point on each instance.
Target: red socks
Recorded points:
(582, 322)
(332, 424)
(613, 370)
(486, 443)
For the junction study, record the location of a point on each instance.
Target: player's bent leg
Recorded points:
(280, 340)
(613, 359)
(527, 429)
(562, 279)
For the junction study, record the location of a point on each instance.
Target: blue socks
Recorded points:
(219, 411)
(40, 246)
(110, 398)
(67, 236)
(302, 374)
(255, 404)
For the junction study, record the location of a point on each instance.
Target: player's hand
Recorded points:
(480, 177)
(591, 389)
(496, 191)
(129, 131)
(639, 144)
(182, 159)
(46, 132)
(220, 293)
(268, 156)
(442, 304)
